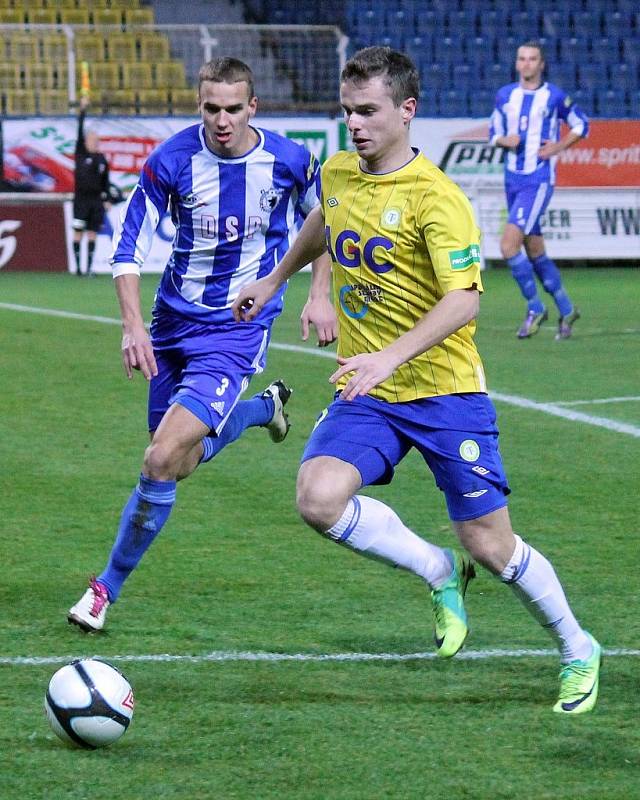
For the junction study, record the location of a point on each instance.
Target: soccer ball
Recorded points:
(89, 703)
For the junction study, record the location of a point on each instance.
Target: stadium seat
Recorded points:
(61, 3)
(118, 101)
(11, 16)
(592, 76)
(481, 51)
(624, 77)
(586, 23)
(153, 101)
(124, 3)
(453, 103)
(434, 77)
(53, 102)
(137, 75)
(428, 23)
(464, 77)
(107, 16)
(122, 47)
(154, 48)
(74, 16)
(54, 48)
(10, 76)
(448, 49)
(574, 49)
(41, 16)
(498, 74)
(630, 50)
(585, 99)
(611, 103)
(461, 23)
(183, 102)
(169, 74)
(89, 47)
(23, 47)
(419, 48)
(104, 75)
(491, 23)
(482, 102)
(524, 25)
(563, 75)
(605, 50)
(139, 16)
(617, 24)
(555, 23)
(38, 76)
(20, 102)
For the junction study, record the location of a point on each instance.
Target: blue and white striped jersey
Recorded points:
(235, 219)
(534, 115)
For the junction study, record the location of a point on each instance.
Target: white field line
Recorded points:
(600, 401)
(221, 656)
(553, 409)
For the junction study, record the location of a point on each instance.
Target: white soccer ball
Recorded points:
(89, 703)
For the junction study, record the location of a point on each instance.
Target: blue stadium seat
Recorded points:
(525, 25)
(605, 50)
(427, 102)
(592, 76)
(624, 77)
(453, 103)
(481, 50)
(429, 23)
(616, 23)
(585, 98)
(574, 49)
(391, 38)
(611, 103)
(449, 49)
(482, 102)
(587, 23)
(491, 23)
(555, 23)
(498, 74)
(630, 49)
(461, 23)
(464, 77)
(563, 75)
(419, 48)
(434, 76)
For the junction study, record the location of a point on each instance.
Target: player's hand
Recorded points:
(548, 150)
(511, 141)
(369, 370)
(252, 298)
(322, 315)
(137, 352)
(84, 101)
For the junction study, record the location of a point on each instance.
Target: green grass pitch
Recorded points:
(236, 572)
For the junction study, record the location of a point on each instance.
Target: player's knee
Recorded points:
(159, 462)
(317, 503)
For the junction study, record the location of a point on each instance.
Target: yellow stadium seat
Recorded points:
(184, 101)
(154, 48)
(54, 47)
(107, 16)
(42, 16)
(119, 101)
(10, 77)
(122, 47)
(19, 102)
(139, 16)
(11, 16)
(38, 76)
(23, 47)
(89, 47)
(74, 16)
(61, 4)
(104, 75)
(153, 101)
(169, 74)
(53, 102)
(136, 76)
(124, 3)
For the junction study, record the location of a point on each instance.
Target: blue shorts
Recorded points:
(455, 434)
(527, 201)
(203, 367)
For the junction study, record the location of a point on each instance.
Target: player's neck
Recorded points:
(389, 161)
(531, 84)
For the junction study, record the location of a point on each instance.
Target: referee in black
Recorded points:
(91, 194)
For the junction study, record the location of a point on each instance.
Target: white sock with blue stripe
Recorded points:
(373, 529)
(536, 584)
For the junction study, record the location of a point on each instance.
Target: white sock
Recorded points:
(535, 582)
(372, 528)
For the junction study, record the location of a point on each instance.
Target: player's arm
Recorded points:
(318, 310)
(309, 246)
(80, 145)
(137, 352)
(457, 308)
(498, 134)
(578, 124)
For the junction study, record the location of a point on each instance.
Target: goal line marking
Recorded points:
(221, 656)
(553, 409)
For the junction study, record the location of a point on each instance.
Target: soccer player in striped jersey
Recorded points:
(526, 121)
(238, 195)
(404, 247)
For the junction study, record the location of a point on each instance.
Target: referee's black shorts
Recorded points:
(88, 213)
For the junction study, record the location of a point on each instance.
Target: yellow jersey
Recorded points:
(399, 242)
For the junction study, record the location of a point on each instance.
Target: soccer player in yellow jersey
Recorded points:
(404, 247)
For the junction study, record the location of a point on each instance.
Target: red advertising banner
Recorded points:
(609, 156)
(32, 237)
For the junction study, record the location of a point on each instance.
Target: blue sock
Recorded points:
(142, 519)
(550, 278)
(256, 411)
(522, 272)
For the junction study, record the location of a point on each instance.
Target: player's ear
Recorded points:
(408, 108)
(253, 106)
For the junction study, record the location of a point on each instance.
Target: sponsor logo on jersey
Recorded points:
(218, 407)
(469, 450)
(463, 259)
(480, 470)
(332, 202)
(479, 493)
(269, 198)
(191, 200)
(391, 218)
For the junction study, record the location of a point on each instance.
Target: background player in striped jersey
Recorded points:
(526, 121)
(238, 195)
(405, 258)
